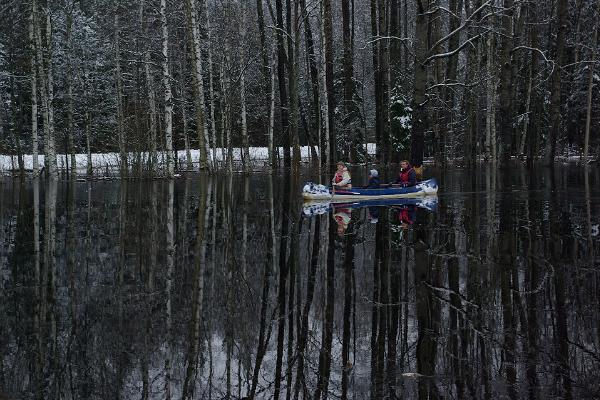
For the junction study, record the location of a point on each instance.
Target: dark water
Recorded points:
(140, 289)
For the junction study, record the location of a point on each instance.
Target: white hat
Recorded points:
(374, 173)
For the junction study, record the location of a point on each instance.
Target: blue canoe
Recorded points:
(314, 191)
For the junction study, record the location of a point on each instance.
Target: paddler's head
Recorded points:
(404, 165)
(340, 166)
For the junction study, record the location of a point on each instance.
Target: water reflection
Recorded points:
(231, 287)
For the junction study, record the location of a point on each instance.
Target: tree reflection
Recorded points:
(221, 288)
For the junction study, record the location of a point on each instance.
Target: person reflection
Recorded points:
(407, 215)
(373, 214)
(342, 216)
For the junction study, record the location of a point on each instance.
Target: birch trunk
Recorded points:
(119, 84)
(198, 81)
(182, 89)
(34, 104)
(265, 68)
(245, 142)
(211, 91)
(50, 158)
(329, 79)
(41, 72)
(167, 88)
(152, 158)
(88, 138)
(70, 125)
(227, 90)
(293, 55)
(326, 160)
(272, 120)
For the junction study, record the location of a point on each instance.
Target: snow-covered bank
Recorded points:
(111, 161)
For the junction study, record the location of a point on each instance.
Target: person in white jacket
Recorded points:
(342, 179)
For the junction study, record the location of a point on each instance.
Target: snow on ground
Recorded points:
(110, 161)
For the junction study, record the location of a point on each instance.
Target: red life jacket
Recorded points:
(339, 176)
(404, 217)
(404, 175)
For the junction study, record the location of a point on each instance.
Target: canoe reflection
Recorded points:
(321, 207)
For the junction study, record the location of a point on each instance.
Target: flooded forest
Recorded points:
(154, 241)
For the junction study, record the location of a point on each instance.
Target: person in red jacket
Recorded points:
(342, 179)
(407, 175)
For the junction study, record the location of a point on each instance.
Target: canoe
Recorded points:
(313, 191)
(317, 207)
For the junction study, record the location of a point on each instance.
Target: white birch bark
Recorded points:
(184, 117)
(211, 90)
(272, 119)
(167, 88)
(153, 159)
(70, 123)
(50, 160)
(192, 18)
(325, 102)
(245, 142)
(34, 104)
(88, 139)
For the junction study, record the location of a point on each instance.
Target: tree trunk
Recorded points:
(454, 20)
(119, 88)
(348, 76)
(271, 127)
(555, 98)
(384, 81)
(167, 87)
(34, 103)
(536, 100)
(506, 83)
(152, 157)
(265, 67)
(419, 117)
(490, 128)
(211, 90)
(376, 78)
(70, 125)
(198, 81)
(184, 118)
(588, 117)
(50, 160)
(245, 141)
(324, 138)
(283, 95)
(329, 80)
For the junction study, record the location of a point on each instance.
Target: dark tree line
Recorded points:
(455, 79)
